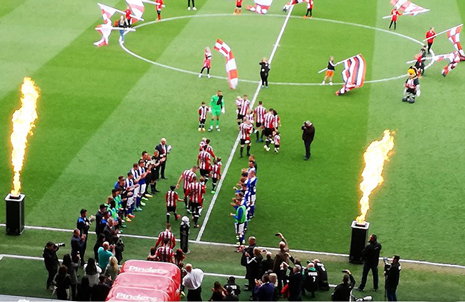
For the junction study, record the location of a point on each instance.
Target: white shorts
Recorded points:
(239, 228)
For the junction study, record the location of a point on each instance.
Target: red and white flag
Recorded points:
(137, 8)
(105, 31)
(260, 7)
(353, 74)
(231, 67)
(454, 36)
(107, 12)
(408, 8)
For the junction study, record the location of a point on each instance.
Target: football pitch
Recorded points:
(100, 107)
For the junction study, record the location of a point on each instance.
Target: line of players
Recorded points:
(245, 196)
(268, 121)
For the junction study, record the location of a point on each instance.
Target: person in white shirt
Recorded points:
(193, 282)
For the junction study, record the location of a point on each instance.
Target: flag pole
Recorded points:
(334, 65)
(150, 2)
(441, 33)
(121, 12)
(116, 28)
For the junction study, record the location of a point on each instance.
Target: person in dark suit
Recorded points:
(370, 262)
(392, 275)
(307, 136)
(51, 262)
(164, 150)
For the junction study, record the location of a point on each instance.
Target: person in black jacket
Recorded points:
(77, 243)
(83, 225)
(323, 283)
(307, 136)
(163, 150)
(294, 282)
(51, 262)
(264, 70)
(370, 262)
(343, 290)
(392, 275)
(100, 290)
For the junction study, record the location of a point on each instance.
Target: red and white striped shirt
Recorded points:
(187, 177)
(277, 139)
(242, 106)
(277, 121)
(216, 171)
(164, 254)
(310, 4)
(195, 191)
(201, 144)
(203, 160)
(269, 120)
(250, 117)
(171, 197)
(245, 130)
(210, 150)
(166, 234)
(203, 112)
(259, 113)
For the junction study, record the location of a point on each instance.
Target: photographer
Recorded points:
(51, 261)
(343, 290)
(307, 136)
(392, 275)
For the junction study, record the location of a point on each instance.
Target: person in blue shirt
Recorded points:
(264, 290)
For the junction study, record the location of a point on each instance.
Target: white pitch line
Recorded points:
(235, 246)
(271, 15)
(236, 143)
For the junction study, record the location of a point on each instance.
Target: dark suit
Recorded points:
(163, 149)
(307, 136)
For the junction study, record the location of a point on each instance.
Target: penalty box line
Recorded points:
(40, 228)
(236, 143)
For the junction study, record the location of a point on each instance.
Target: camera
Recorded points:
(277, 234)
(387, 266)
(345, 271)
(61, 244)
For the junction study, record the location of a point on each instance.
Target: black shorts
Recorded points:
(268, 131)
(412, 91)
(240, 116)
(170, 209)
(204, 172)
(202, 121)
(276, 146)
(258, 125)
(243, 141)
(238, 6)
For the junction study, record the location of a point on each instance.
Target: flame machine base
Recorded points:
(358, 241)
(14, 214)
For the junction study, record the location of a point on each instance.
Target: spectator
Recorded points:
(310, 280)
(92, 271)
(343, 290)
(151, 256)
(100, 290)
(164, 150)
(230, 295)
(370, 262)
(179, 258)
(247, 253)
(294, 282)
(274, 281)
(104, 254)
(98, 244)
(281, 257)
(193, 282)
(112, 269)
(323, 283)
(392, 275)
(232, 288)
(72, 271)
(51, 262)
(110, 231)
(98, 218)
(62, 281)
(218, 292)
(254, 268)
(83, 225)
(77, 244)
(84, 290)
(264, 290)
(267, 263)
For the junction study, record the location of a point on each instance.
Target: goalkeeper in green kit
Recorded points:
(216, 108)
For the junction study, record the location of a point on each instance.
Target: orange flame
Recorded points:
(23, 122)
(375, 156)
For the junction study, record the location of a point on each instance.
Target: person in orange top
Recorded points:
(238, 9)
(429, 34)
(158, 6)
(394, 14)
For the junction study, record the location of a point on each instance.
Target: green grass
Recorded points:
(100, 108)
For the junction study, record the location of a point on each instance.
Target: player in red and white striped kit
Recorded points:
(259, 113)
(171, 198)
(203, 161)
(195, 192)
(268, 128)
(166, 235)
(276, 141)
(245, 130)
(187, 177)
(209, 148)
(243, 105)
(206, 62)
(165, 253)
(203, 109)
(202, 143)
(216, 173)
